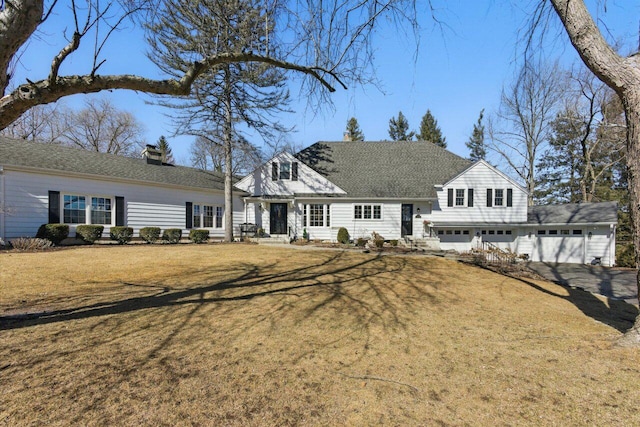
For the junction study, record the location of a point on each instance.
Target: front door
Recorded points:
(407, 220)
(278, 218)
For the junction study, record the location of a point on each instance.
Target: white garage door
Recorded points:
(559, 248)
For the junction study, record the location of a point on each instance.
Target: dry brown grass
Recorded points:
(248, 335)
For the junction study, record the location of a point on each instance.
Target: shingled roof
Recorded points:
(407, 169)
(574, 213)
(57, 158)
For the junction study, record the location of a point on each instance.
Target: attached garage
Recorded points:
(582, 233)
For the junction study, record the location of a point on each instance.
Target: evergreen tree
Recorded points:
(399, 129)
(165, 149)
(430, 131)
(230, 93)
(353, 128)
(477, 149)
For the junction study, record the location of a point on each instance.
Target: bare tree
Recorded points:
(42, 123)
(521, 126)
(328, 43)
(101, 127)
(620, 73)
(208, 154)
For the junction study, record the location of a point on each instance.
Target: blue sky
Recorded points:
(460, 69)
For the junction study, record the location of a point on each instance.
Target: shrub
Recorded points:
(378, 240)
(305, 234)
(199, 236)
(361, 242)
(343, 235)
(172, 235)
(30, 244)
(55, 233)
(89, 233)
(260, 232)
(394, 242)
(150, 234)
(122, 235)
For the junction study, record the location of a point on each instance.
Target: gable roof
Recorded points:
(397, 169)
(68, 160)
(493, 168)
(574, 213)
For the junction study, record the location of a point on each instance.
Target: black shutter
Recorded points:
(294, 171)
(450, 197)
(274, 171)
(470, 198)
(119, 211)
(54, 207)
(189, 218)
(489, 197)
(509, 197)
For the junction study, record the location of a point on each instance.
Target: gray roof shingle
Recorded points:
(66, 159)
(407, 169)
(574, 213)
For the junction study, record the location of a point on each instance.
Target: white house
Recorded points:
(46, 183)
(420, 192)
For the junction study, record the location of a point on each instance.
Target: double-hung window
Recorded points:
(367, 211)
(84, 209)
(459, 197)
(499, 197)
(75, 209)
(219, 215)
(207, 216)
(100, 210)
(284, 171)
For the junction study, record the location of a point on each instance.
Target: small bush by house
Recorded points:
(89, 233)
(361, 242)
(55, 233)
(625, 255)
(199, 236)
(343, 235)
(172, 235)
(30, 244)
(150, 234)
(378, 240)
(122, 235)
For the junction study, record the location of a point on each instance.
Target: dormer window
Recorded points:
(281, 171)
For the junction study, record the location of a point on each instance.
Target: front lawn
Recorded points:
(254, 335)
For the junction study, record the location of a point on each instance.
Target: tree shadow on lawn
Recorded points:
(615, 313)
(331, 277)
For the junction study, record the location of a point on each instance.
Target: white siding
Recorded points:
(145, 205)
(480, 177)
(309, 181)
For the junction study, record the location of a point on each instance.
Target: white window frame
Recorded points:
(88, 205)
(281, 170)
(372, 208)
(463, 198)
(324, 215)
(199, 216)
(503, 202)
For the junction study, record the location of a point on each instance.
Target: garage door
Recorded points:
(563, 246)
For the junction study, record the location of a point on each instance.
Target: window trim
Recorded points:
(200, 208)
(88, 208)
(373, 207)
(325, 215)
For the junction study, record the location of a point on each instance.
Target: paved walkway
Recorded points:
(610, 282)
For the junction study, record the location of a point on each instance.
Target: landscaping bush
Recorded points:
(260, 232)
(55, 233)
(361, 242)
(343, 236)
(378, 240)
(150, 234)
(122, 235)
(305, 234)
(199, 236)
(394, 242)
(30, 244)
(172, 235)
(89, 233)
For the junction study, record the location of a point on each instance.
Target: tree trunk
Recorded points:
(631, 102)
(228, 159)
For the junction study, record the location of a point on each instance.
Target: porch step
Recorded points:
(427, 243)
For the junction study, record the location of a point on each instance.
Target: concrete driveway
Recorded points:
(610, 282)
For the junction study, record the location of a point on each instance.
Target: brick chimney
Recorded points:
(346, 136)
(152, 155)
